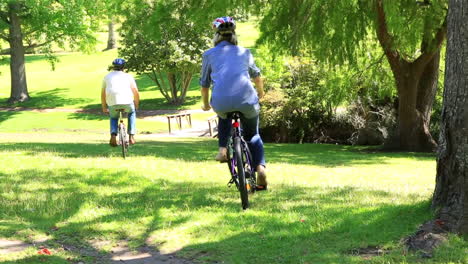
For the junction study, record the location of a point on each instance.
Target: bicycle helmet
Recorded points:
(118, 62)
(117, 65)
(224, 24)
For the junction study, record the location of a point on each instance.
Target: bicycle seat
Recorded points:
(234, 115)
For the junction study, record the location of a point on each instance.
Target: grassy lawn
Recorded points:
(67, 122)
(76, 83)
(325, 201)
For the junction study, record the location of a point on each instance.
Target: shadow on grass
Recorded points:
(49, 207)
(155, 104)
(161, 103)
(87, 116)
(145, 83)
(5, 115)
(293, 224)
(49, 99)
(200, 150)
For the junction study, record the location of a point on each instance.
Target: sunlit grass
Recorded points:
(25, 121)
(324, 200)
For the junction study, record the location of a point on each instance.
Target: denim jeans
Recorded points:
(250, 133)
(114, 118)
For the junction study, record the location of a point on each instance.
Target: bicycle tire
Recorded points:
(241, 173)
(123, 140)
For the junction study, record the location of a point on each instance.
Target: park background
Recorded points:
(65, 189)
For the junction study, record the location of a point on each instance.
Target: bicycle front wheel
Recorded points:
(123, 140)
(241, 173)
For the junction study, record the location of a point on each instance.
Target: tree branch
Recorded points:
(4, 37)
(37, 45)
(433, 46)
(384, 36)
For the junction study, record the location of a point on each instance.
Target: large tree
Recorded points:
(160, 41)
(451, 192)
(410, 33)
(38, 24)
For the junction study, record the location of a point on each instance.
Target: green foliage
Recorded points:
(47, 22)
(169, 51)
(304, 99)
(304, 94)
(338, 30)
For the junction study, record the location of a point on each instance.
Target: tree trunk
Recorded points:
(19, 89)
(451, 192)
(416, 93)
(416, 83)
(111, 43)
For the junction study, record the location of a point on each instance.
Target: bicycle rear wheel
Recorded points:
(241, 173)
(123, 140)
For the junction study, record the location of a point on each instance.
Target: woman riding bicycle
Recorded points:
(230, 67)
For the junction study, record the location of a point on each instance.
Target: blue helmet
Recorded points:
(118, 62)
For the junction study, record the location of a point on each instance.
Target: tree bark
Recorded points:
(450, 199)
(111, 42)
(19, 89)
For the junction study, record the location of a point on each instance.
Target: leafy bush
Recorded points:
(299, 103)
(303, 97)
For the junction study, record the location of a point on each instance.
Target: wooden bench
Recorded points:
(212, 124)
(178, 119)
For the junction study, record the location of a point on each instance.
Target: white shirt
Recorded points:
(118, 85)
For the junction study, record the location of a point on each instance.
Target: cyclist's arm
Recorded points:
(205, 93)
(136, 95)
(103, 99)
(259, 86)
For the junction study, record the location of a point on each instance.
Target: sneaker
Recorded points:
(113, 140)
(261, 178)
(222, 155)
(132, 140)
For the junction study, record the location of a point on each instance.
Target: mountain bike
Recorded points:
(240, 162)
(122, 133)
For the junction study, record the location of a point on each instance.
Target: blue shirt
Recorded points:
(229, 67)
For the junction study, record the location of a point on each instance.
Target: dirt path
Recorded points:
(119, 253)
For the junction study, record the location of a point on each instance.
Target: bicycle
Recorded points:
(122, 133)
(240, 162)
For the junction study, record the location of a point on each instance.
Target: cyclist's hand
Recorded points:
(206, 107)
(261, 95)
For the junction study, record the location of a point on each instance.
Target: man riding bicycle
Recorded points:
(119, 91)
(229, 68)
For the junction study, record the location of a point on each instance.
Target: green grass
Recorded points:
(325, 201)
(59, 122)
(76, 83)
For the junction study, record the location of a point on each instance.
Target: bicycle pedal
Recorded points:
(230, 183)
